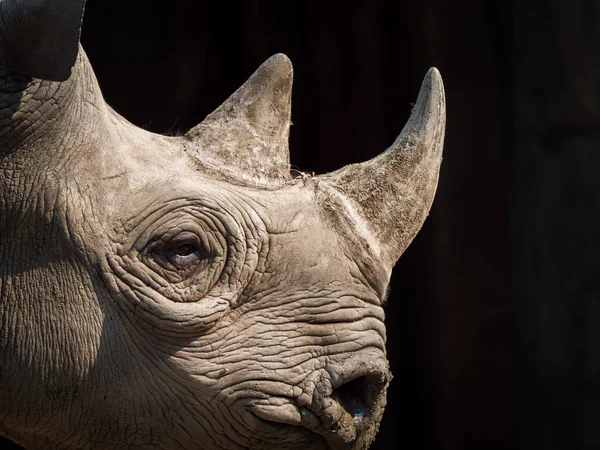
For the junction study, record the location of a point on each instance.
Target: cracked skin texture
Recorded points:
(168, 292)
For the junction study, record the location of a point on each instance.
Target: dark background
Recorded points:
(494, 314)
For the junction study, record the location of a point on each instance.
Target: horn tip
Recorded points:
(431, 97)
(433, 72)
(433, 81)
(279, 64)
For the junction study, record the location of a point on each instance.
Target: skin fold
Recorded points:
(189, 292)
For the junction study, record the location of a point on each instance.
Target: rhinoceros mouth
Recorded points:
(345, 409)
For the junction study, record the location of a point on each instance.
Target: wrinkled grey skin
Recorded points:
(188, 292)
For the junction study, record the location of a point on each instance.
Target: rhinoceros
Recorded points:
(189, 291)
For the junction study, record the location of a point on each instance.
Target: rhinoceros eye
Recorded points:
(186, 257)
(182, 252)
(185, 250)
(183, 255)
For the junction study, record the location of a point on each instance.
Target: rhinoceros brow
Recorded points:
(151, 211)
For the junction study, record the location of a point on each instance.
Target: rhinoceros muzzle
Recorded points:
(350, 414)
(342, 403)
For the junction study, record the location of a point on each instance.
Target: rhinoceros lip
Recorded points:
(344, 422)
(353, 408)
(346, 405)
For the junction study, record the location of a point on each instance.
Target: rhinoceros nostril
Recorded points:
(358, 396)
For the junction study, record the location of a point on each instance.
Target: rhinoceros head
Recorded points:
(187, 291)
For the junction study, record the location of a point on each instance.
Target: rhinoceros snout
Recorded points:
(351, 406)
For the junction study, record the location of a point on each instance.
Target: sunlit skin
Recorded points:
(190, 291)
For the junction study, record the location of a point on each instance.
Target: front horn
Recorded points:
(393, 192)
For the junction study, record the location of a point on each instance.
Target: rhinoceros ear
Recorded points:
(246, 138)
(40, 38)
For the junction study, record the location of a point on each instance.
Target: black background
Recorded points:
(468, 316)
